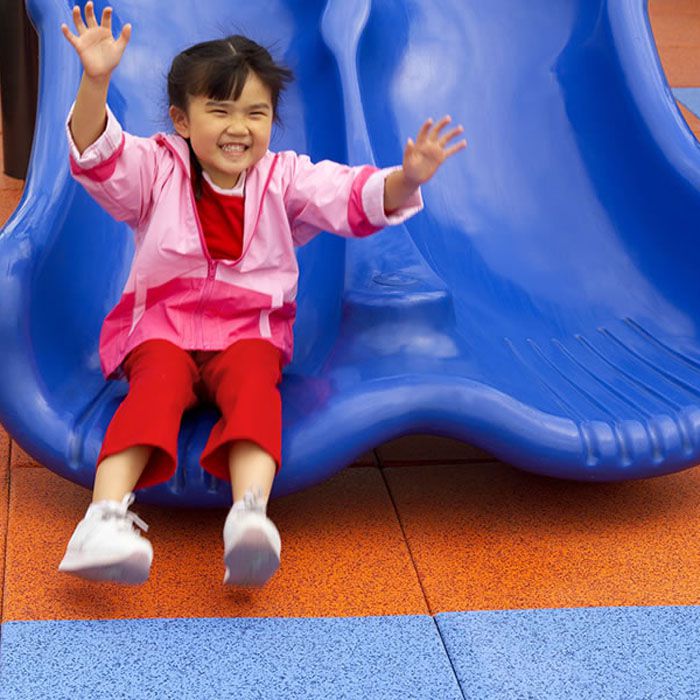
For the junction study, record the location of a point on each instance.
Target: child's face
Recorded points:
(230, 136)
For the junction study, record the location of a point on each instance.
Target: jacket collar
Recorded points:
(179, 146)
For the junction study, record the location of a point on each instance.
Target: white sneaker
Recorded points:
(107, 547)
(252, 544)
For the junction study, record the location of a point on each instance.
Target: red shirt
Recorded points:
(221, 216)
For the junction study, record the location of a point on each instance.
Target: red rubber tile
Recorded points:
(343, 554)
(491, 537)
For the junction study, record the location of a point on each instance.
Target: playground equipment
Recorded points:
(544, 306)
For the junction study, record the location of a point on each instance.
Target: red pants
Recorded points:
(165, 380)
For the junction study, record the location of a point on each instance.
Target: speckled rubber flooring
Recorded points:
(427, 570)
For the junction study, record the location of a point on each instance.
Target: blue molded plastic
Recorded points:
(544, 306)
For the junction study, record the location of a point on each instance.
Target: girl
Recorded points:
(208, 308)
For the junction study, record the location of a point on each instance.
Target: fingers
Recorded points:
(439, 127)
(69, 35)
(432, 132)
(456, 148)
(106, 21)
(78, 20)
(443, 140)
(124, 37)
(431, 149)
(450, 135)
(423, 132)
(90, 19)
(409, 148)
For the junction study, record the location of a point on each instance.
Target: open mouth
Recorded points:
(234, 148)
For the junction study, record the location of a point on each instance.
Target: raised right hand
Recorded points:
(99, 52)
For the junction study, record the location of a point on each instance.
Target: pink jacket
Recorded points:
(175, 290)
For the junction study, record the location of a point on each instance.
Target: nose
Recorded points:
(236, 126)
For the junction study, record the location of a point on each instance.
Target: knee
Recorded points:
(161, 368)
(248, 362)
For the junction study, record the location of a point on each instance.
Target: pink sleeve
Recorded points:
(360, 224)
(102, 170)
(347, 201)
(373, 201)
(117, 170)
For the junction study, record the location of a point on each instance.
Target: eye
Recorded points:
(258, 114)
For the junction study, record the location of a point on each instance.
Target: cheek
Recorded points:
(263, 136)
(205, 135)
(204, 147)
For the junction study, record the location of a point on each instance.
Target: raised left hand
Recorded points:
(422, 158)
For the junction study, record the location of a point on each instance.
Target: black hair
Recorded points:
(218, 69)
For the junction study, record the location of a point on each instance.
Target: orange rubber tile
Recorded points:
(9, 199)
(676, 28)
(10, 184)
(366, 460)
(19, 458)
(675, 22)
(488, 537)
(343, 554)
(681, 65)
(10, 189)
(5, 448)
(693, 121)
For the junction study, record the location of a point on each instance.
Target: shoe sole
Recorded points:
(132, 570)
(251, 561)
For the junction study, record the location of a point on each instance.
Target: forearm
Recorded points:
(89, 114)
(397, 190)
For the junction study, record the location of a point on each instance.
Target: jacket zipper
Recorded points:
(211, 263)
(211, 275)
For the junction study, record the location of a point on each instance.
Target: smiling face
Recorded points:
(228, 136)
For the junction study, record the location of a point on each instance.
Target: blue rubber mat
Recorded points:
(286, 658)
(624, 653)
(586, 652)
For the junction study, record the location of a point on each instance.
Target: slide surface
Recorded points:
(544, 306)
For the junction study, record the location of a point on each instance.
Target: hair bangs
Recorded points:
(221, 80)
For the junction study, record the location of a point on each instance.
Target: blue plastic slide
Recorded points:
(544, 306)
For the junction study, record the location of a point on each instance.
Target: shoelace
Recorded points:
(122, 513)
(253, 501)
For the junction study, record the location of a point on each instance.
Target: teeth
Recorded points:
(233, 147)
